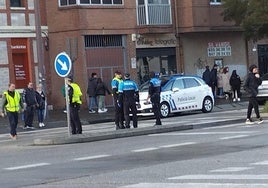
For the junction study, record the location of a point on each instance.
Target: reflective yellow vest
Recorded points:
(13, 104)
(76, 93)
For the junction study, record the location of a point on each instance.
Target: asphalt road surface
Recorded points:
(233, 156)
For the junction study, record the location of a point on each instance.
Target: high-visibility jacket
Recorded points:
(13, 103)
(76, 93)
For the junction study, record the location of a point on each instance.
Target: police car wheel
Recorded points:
(164, 109)
(207, 105)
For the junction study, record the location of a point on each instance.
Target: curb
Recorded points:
(91, 137)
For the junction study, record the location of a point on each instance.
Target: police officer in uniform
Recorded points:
(154, 95)
(74, 93)
(128, 96)
(119, 114)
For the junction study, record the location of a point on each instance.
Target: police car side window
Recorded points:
(191, 82)
(178, 84)
(168, 86)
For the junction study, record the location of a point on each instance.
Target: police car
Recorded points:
(179, 93)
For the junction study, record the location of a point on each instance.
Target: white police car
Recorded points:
(179, 93)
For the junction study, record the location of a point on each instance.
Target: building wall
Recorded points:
(196, 54)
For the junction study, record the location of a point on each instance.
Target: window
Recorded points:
(215, 2)
(153, 12)
(178, 84)
(2, 4)
(90, 2)
(97, 41)
(16, 3)
(191, 82)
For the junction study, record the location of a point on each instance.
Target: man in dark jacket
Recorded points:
(213, 79)
(29, 103)
(91, 92)
(206, 76)
(251, 86)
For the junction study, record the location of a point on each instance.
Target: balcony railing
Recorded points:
(154, 15)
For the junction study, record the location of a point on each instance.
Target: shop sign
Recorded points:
(156, 41)
(219, 49)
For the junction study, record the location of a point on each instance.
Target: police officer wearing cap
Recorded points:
(119, 114)
(154, 96)
(128, 96)
(74, 93)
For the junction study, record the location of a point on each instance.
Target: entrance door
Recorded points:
(21, 69)
(263, 58)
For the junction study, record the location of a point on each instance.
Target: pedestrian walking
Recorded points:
(101, 90)
(235, 83)
(128, 96)
(91, 92)
(154, 96)
(11, 106)
(74, 94)
(206, 76)
(41, 104)
(252, 83)
(119, 113)
(30, 104)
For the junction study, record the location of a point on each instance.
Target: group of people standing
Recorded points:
(126, 98)
(96, 91)
(222, 84)
(29, 102)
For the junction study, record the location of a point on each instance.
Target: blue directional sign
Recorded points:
(63, 64)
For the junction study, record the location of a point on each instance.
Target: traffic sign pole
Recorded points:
(63, 66)
(67, 105)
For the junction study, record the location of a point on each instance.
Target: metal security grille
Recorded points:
(99, 41)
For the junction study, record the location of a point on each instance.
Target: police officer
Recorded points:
(11, 105)
(74, 93)
(154, 95)
(119, 114)
(128, 96)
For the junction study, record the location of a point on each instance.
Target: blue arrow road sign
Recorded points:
(63, 64)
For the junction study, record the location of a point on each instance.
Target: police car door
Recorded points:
(192, 93)
(178, 96)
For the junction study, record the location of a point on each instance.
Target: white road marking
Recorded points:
(144, 149)
(27, 166)
(221, 177)
(195, 185)
(90, 157)
(233, 137)
(260, 163)
(232, 169)
(202, 133)
(177, 145)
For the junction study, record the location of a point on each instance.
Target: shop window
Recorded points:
(3, 19)
(17, 19)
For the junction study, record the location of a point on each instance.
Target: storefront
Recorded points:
(155, 53)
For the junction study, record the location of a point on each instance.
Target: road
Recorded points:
(233, 155)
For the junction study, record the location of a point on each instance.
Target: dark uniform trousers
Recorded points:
(155, 99)
(119, 115)
(130, 105)
(75, 120)
(29, 115)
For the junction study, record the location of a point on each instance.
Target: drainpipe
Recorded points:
(179, 47)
